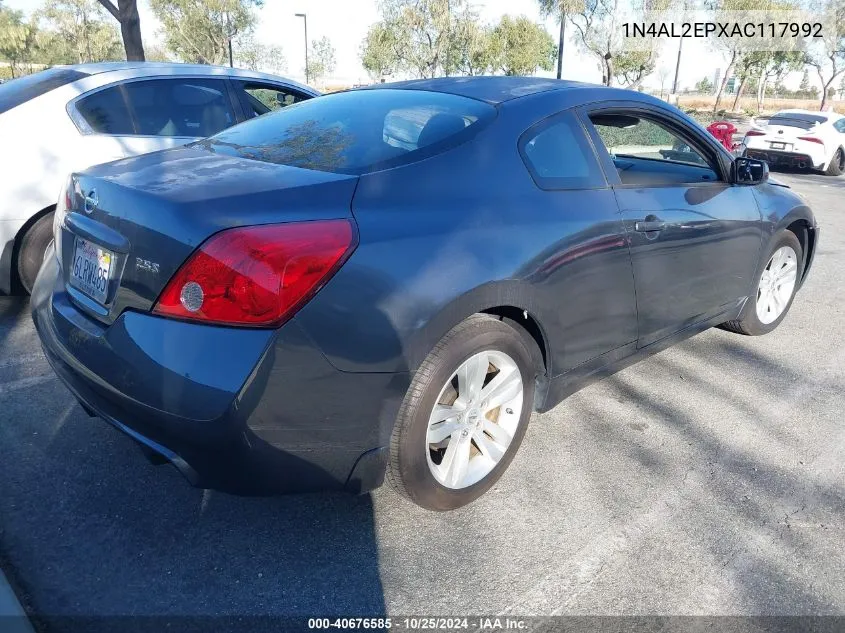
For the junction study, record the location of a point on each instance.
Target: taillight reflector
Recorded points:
(257, 275)
(811, 139)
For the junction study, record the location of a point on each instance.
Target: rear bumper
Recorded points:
(243, 411)
(786, 159)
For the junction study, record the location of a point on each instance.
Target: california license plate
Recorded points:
(778, 145)
(91, 269)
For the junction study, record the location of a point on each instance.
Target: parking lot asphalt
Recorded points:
(708, 479)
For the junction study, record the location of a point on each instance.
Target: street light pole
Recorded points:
(305, 23)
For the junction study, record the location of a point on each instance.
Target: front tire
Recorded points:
(837, 164)
(31, 252)
(464, 415)
(776, 286)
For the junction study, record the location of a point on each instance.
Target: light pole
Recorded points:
(305, 23)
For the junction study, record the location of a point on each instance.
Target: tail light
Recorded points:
(811, 139)
(755, 133)
(257, 275)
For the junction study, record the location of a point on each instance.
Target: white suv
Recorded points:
(67, 118)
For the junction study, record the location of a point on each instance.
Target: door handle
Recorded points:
(649, 225)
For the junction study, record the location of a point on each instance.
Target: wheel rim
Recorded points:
(776, 284)
(474, 420)
(840, 156)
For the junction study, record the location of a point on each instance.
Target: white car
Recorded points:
(800, 138)
(67, 118)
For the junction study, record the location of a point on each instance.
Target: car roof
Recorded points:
(493, 90)
(140, 69)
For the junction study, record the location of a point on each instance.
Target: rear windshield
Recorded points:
(356, 132)
(20, 90)
(797, 119)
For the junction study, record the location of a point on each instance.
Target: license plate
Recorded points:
(778, 145)
(91, 269)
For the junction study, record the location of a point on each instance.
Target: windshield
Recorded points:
(20, 90)
(356, 132)
(797, 119)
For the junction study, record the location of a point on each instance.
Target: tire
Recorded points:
(31, 251)
(414, 460)
(749, 322)
(837, 164)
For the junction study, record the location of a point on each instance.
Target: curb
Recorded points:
(12, 616)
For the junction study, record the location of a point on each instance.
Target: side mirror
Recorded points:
(749, 171)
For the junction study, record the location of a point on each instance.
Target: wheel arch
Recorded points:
(512, 301)
(803, 230)
(10, 278)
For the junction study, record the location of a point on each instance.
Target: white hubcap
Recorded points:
(777, 284)
(474, 420)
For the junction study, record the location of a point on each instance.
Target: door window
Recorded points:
(263, 98)
(106, 112)
(180, 107)
(559, 156)
(646, 152)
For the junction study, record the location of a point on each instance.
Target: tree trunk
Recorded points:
(608, 69)
(724, 81)
(738, 94)
(126, 13)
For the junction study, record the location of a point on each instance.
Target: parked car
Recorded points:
(305, 302)
(800, 138)
(68, 118)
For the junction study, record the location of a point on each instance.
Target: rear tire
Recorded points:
(476, 352)
(837, 164)
(31, 252)
(777, 283)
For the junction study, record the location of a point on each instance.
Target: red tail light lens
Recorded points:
(811, 139)
(257, 275)
(755, 133)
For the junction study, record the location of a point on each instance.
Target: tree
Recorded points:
(417, 32)
(827, 54)
(732, 47)
(78, 31)
(257, 56)
(662, 76)
(598, 26)
(321, 59)
(705, 86)
(472, 47)
(522, 46)
(17, 39)
(126, 13)
(378, 51)
(560, 9)
(199, 30)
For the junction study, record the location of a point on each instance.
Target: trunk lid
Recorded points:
(153, 211)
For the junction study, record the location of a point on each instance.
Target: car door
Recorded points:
(585, 275)
(144, 115)
(261, 97)
(694, 237)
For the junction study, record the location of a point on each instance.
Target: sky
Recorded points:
(345, 23)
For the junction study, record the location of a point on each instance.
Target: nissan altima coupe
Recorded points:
(388, 281)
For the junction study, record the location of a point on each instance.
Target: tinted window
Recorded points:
(797, 119)
(177, 107)
(106, 112)
(20, 90)
(647, 152)
(264, 98)
(357, 131)
(840, 125)
(559, 156)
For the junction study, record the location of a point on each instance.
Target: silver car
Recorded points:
(67, 118)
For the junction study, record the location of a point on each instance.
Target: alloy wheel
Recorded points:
(777, 284)
(474, 420)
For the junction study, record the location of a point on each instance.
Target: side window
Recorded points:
(840, 125)
(559, 156)
(263, 98)
(180, 107)
(106, 112)
(646, 152)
